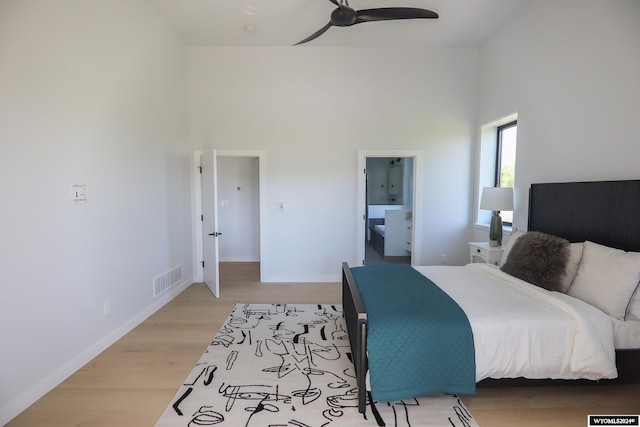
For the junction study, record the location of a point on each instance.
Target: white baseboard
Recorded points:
(303, 279)
(14, 407)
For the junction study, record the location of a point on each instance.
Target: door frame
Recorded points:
(197, 206)
(416, 251)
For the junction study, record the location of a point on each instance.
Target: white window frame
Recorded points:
(487, 165)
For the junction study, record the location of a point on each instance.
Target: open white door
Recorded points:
(211, 272)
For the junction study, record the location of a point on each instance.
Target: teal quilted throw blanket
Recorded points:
(419, 339)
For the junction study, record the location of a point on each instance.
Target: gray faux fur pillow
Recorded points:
(538, 258)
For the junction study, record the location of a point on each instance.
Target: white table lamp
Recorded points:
(496, 199)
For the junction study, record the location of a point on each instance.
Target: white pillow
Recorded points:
(515, 234)
(571, 270)
(633, 311)
(606, 278)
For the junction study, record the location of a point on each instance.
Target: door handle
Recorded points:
(215, 234)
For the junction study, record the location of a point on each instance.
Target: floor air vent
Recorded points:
(166, 280)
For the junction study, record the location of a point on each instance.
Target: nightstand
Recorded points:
(487, 253)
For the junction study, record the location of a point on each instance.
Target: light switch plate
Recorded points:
(79, 193)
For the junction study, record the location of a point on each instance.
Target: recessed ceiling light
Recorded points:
(249, 28)
(250, 10)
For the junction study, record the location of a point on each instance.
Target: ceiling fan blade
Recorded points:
(317, 34)
(391, 13)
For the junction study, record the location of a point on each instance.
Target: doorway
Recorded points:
(389, 210)
(238, 185)
(239, 211)
(389, 195)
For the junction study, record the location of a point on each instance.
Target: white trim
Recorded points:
(14, 407)
(198, 271)
(303, 280)
(417, 200)
(503, 121)
(485, 164)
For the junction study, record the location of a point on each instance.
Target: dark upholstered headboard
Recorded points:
(605, 212)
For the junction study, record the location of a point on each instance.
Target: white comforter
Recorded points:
(521, 330)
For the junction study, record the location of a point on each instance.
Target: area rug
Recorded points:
(288, 365)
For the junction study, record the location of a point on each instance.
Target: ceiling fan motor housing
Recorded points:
(343, 16)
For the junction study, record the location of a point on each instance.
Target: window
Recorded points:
(496, 162)
(506, 160)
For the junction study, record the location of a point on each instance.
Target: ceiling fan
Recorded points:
(346, 16)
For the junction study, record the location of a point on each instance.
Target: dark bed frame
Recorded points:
(604, 212)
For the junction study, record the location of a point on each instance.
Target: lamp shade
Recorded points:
(497, 199)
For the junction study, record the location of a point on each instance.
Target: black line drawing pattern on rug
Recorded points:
(300, 348)
(268, 361)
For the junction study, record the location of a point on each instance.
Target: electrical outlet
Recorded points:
(443, 258)
(106, 306)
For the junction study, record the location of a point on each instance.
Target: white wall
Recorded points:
(311, 110)
(238, 209)
(91, 93)
(570, 69)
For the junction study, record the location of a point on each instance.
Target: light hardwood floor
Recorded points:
(132, 382)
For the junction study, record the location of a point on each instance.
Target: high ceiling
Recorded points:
(462, 23)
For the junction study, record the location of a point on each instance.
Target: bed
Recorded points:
(579, 331)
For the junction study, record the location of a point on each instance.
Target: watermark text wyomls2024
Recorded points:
(613, 420)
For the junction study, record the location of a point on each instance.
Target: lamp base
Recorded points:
(495, 230)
